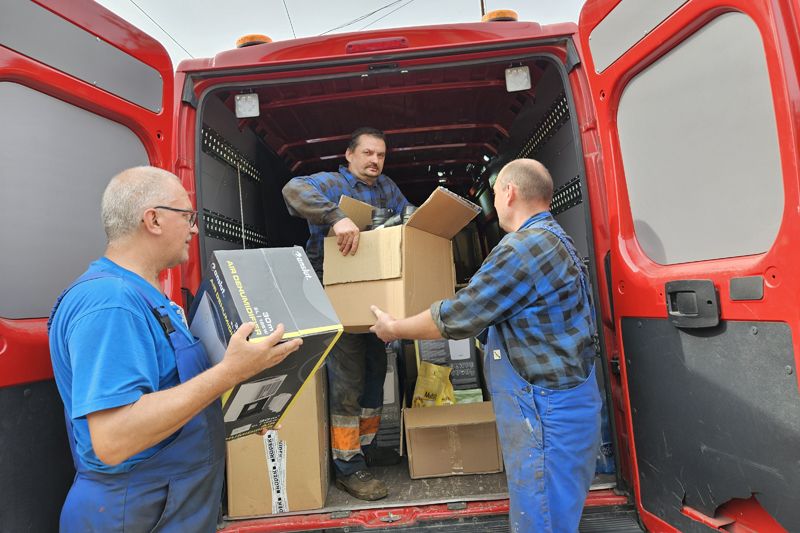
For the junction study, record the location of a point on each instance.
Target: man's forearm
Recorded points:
(120, 433)
(304, 200)
(419, 326)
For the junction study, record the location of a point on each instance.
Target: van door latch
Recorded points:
(692, 303)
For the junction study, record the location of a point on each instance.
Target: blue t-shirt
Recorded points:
(108, 349)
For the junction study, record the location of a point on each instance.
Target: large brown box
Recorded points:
(402, 269)
(255, 489)
(451, 440)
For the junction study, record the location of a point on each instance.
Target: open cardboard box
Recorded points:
(402, 269)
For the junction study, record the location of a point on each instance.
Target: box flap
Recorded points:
(357, 211)
(378, 257)
(444, 213)
(448, 415)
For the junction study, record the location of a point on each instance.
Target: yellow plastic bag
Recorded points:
(433, 386)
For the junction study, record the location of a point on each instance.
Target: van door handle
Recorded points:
(692, 303)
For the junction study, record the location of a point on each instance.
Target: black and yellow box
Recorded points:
(267, 286)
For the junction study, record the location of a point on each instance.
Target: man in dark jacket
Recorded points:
(357, 362)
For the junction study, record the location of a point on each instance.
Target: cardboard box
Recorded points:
(452, 440)
(268, 286)
(402, 269)
(285, 470)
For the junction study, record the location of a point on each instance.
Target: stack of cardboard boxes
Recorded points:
(277, 421)
(403, 270)
(268, 469)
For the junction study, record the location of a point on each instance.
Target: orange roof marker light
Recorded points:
(252, 39)
(500, 15)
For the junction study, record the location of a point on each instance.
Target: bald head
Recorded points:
(531, 180)
(130, 193)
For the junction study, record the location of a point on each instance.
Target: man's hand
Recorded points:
(383, 326)
(121, 432)
(346, 236)
(244, 359)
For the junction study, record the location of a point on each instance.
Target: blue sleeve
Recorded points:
(315, 198)
(501, 288)
(113, 358)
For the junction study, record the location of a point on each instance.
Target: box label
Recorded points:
(275, 450)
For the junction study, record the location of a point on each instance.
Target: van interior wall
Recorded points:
(543, 131)
(240, 178)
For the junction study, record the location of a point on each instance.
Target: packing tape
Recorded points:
(275, 450)
(454, 446)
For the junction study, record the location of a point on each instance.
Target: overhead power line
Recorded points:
(386, 15)
(161, 28)
(362, 17)
(290, 19)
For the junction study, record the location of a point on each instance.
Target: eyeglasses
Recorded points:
(192, 213)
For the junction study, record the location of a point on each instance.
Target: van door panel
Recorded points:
(699, 143)
(83, 95)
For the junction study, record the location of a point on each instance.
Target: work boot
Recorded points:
(376, 456)
(363, 486)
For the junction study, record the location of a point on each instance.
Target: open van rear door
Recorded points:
(83, 95)
(697, 113)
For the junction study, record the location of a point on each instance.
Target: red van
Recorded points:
(671, 129)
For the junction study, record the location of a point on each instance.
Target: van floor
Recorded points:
(404, 491)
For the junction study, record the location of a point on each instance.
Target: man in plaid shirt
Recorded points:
(532, 293)
(357, 362)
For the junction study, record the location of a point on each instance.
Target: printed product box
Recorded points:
(268, 286)
(401, 269)
(451, 440)
(284, 470)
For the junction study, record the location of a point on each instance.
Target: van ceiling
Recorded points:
(437, 120)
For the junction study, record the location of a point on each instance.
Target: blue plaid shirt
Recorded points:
(316, 198)
(529, 287)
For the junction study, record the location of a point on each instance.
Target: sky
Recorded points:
(203, 28)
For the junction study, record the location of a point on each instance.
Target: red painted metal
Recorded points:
(396, 131)
(395, 517)
(385, 91)
(419, 38)
(748, 517)
(375, 45)
(637, 281)
(24, 353)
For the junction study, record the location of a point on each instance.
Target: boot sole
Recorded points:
(365, 497)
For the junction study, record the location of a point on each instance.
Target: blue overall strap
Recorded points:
(558, 232)
(84, 277)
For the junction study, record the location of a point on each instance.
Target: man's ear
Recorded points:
(512, 193)
(348, 154)
(151, 222)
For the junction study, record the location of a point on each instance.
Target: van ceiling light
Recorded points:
(440, 173)
(486, 158)
(518, 79)
(247, 105)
